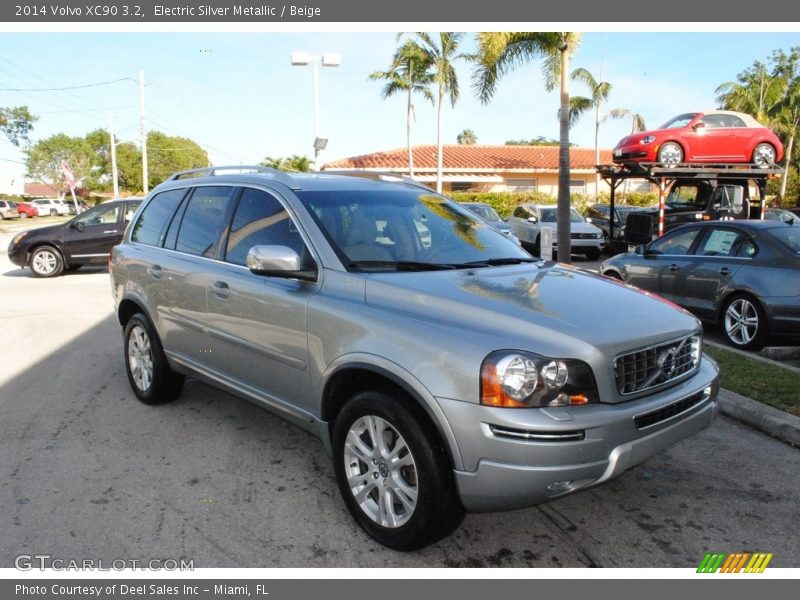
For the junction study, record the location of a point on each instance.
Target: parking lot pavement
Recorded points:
(90, 472)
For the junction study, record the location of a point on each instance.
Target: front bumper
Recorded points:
(633, 153)
(18, 255)
(571, 448)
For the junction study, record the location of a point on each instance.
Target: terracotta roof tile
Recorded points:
(461, 157)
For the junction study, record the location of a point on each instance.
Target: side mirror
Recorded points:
(77, 225)
(699, 126)
(641, 249)
(533, 220)
(278, 261)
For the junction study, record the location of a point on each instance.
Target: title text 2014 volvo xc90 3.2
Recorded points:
(443, 367)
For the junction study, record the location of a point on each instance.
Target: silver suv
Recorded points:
(442, 366)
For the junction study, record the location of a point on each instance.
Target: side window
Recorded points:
(203, 220)
(721, 242)
(677, 243)
(105, 215)
(150, 225)
(521, 212)
(736, 121)
(130, 210)
(715, 121)
(260, 219)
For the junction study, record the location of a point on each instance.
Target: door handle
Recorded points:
(111, 231)
(155, 271)
(673, 267)
(220, 289)
(724, 271)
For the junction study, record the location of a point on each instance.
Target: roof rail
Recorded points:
(376, 175)
(277, 175)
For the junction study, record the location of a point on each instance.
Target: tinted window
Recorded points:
(150, 225)
(202, 221)
(260, 220)
(722, 242)
(521, 212)
(789, 237)
(102, 215)
(676, 243)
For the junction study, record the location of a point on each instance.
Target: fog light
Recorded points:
(559, 486)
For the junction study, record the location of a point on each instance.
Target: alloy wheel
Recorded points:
(140, 358)
(741, 322)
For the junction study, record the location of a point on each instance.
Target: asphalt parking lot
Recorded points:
(91, 473)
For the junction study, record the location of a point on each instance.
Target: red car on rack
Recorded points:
(719, 136)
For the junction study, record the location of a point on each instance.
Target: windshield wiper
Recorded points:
(495, 262)
(399, 265)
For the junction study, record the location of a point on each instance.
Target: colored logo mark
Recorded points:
(719, 562)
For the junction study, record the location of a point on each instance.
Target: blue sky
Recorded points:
(238, 96)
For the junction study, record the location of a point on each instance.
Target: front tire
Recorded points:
(670, 154)
(744, 323)
(393, 471)
(764, 155)
(46, 261)
(149, 373)
(23, 215)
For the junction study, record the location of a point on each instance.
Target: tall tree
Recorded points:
(756, 91)
(786, 115)
(599, 92)
(637, 121)
(502, 52)
(16, 123)
(467, 138)
(442, 54)
(408, 72)
(43, 159)
(169, 154)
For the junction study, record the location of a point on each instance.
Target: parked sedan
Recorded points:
(719, 136)
(489, 214)
(85, 239)
(779, 214)
(527, 221)
(26, 209)
(744, 275)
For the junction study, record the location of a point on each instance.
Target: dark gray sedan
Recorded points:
(744, 275)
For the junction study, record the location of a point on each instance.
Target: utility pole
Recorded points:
(114, 177)
(145, 186)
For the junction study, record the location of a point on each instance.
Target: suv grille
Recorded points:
(583, 236)
(658, 365)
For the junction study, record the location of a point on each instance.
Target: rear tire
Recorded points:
(764, 155)
(149, 373)
(393, 471)
(744, 322)
(23, 215)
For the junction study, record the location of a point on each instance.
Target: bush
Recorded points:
(792, 197)
(503, 202)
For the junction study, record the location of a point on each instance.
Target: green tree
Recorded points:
(539, 140)
(291, 164)
(169, 154)
(442, 54)
(467, 138)
(43, 159)
(408, 72)
(129, 167)
(502, 52)
(16, 123)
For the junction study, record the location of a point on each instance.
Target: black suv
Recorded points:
(85, 239)
(689, 201)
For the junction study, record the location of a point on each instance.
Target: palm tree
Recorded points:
(637, 120)
(600, 91)
(757, 93)
(441, 57)
(501, 52)
(292, 164)
(467, 138)
(408, 73)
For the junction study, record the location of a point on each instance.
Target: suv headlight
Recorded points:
(524, 380)
(648, 139)
(15, 241)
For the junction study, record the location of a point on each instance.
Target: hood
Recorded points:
(47, 231)
(500, 225)
(553, 309)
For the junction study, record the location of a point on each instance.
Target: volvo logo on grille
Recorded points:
(666, 362)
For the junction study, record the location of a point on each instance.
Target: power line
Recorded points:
(72, 87)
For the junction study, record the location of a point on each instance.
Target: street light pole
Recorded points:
(328, 59)
(114, 177)
(145, 176)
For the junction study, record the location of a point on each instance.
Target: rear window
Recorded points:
(203, 220)
(151, 224)
(789, 237)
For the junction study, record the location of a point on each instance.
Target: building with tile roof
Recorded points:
(486, 168)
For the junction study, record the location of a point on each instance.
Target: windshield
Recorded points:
(405, 230)
(550, 215)
(484, 212)
(679, 121)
